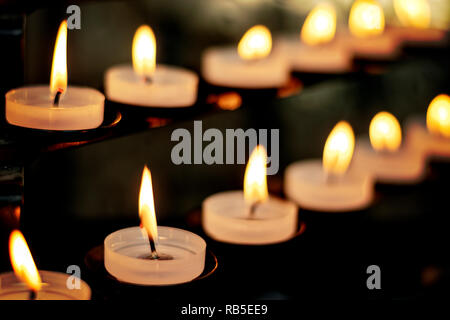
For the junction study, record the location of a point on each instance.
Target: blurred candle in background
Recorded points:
(367, 37)
(317, 52)
(431, 134)
(252, 65)
(385, 157)
(329, 185)
(415, 19)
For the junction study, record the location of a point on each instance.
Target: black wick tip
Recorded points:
(147, 80)
(57, 98)
(253, 208)
(154, 254)
(33, 295)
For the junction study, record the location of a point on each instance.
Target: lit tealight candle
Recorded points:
(385, 157)
(433, 139)
(252, 66)
(152, 255)
(415, 18)
(146, 84)
(367, 37)
(27, 283)
(251, 217)
(57, 107)
(330, 186)
(316, 51)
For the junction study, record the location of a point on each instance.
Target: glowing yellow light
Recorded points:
(338, 150)
(144, 51)
(366, 18)
(438, 116)
(256, 43)
(255, 180)
(320, 25)
(22, 261)
(413, 13)
(385, 132)
(58, 76)
(147, 206)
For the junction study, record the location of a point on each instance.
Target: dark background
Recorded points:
(75, 188)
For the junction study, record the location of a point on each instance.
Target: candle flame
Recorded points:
(413, 13)
(22, 261)
(338, 150)
(366, 18)
(438, 116)
(147, 206)
(385, 132)
(255, 179)
(144, 51)
(58, 77)
(256, 43)
(320, 25)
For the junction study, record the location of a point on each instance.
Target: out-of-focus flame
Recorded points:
(320, 25)
(22, 261)
(147, 206)
(366, 18)
(438, 116)
(385, 132)
(413, 13)
(144, 51)
(255, 179)
(338, 150)
(256, 43)
(58, 76)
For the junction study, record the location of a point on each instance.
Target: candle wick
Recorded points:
(148, 80)
(253, 208)
(33, 295)
(57, 98)
(154, 255)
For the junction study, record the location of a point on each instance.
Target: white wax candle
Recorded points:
(333, 57)
(405, 165)
(80, 108)
(125, 249)
(226, 217)
(222, 66)
(54, 287)
(419, 36)
(430, 144)
(306, 184)
(169, 87)
(384, 46)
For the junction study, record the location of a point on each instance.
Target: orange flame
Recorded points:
(255, 179)
(22, 261)
(320, 25)
(256, 43)
(147, 206)
(58, 77)
(338, 150)
(413, 13)
(366, 18)
(438, 116)
(144, 51)
(385, 132)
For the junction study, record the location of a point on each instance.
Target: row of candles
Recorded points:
(253, 64)
(342, 181)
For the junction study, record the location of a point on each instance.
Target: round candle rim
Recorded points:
(44, 274)
(111, 251)
(163, 66)
(9, 96)
(289, 202)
